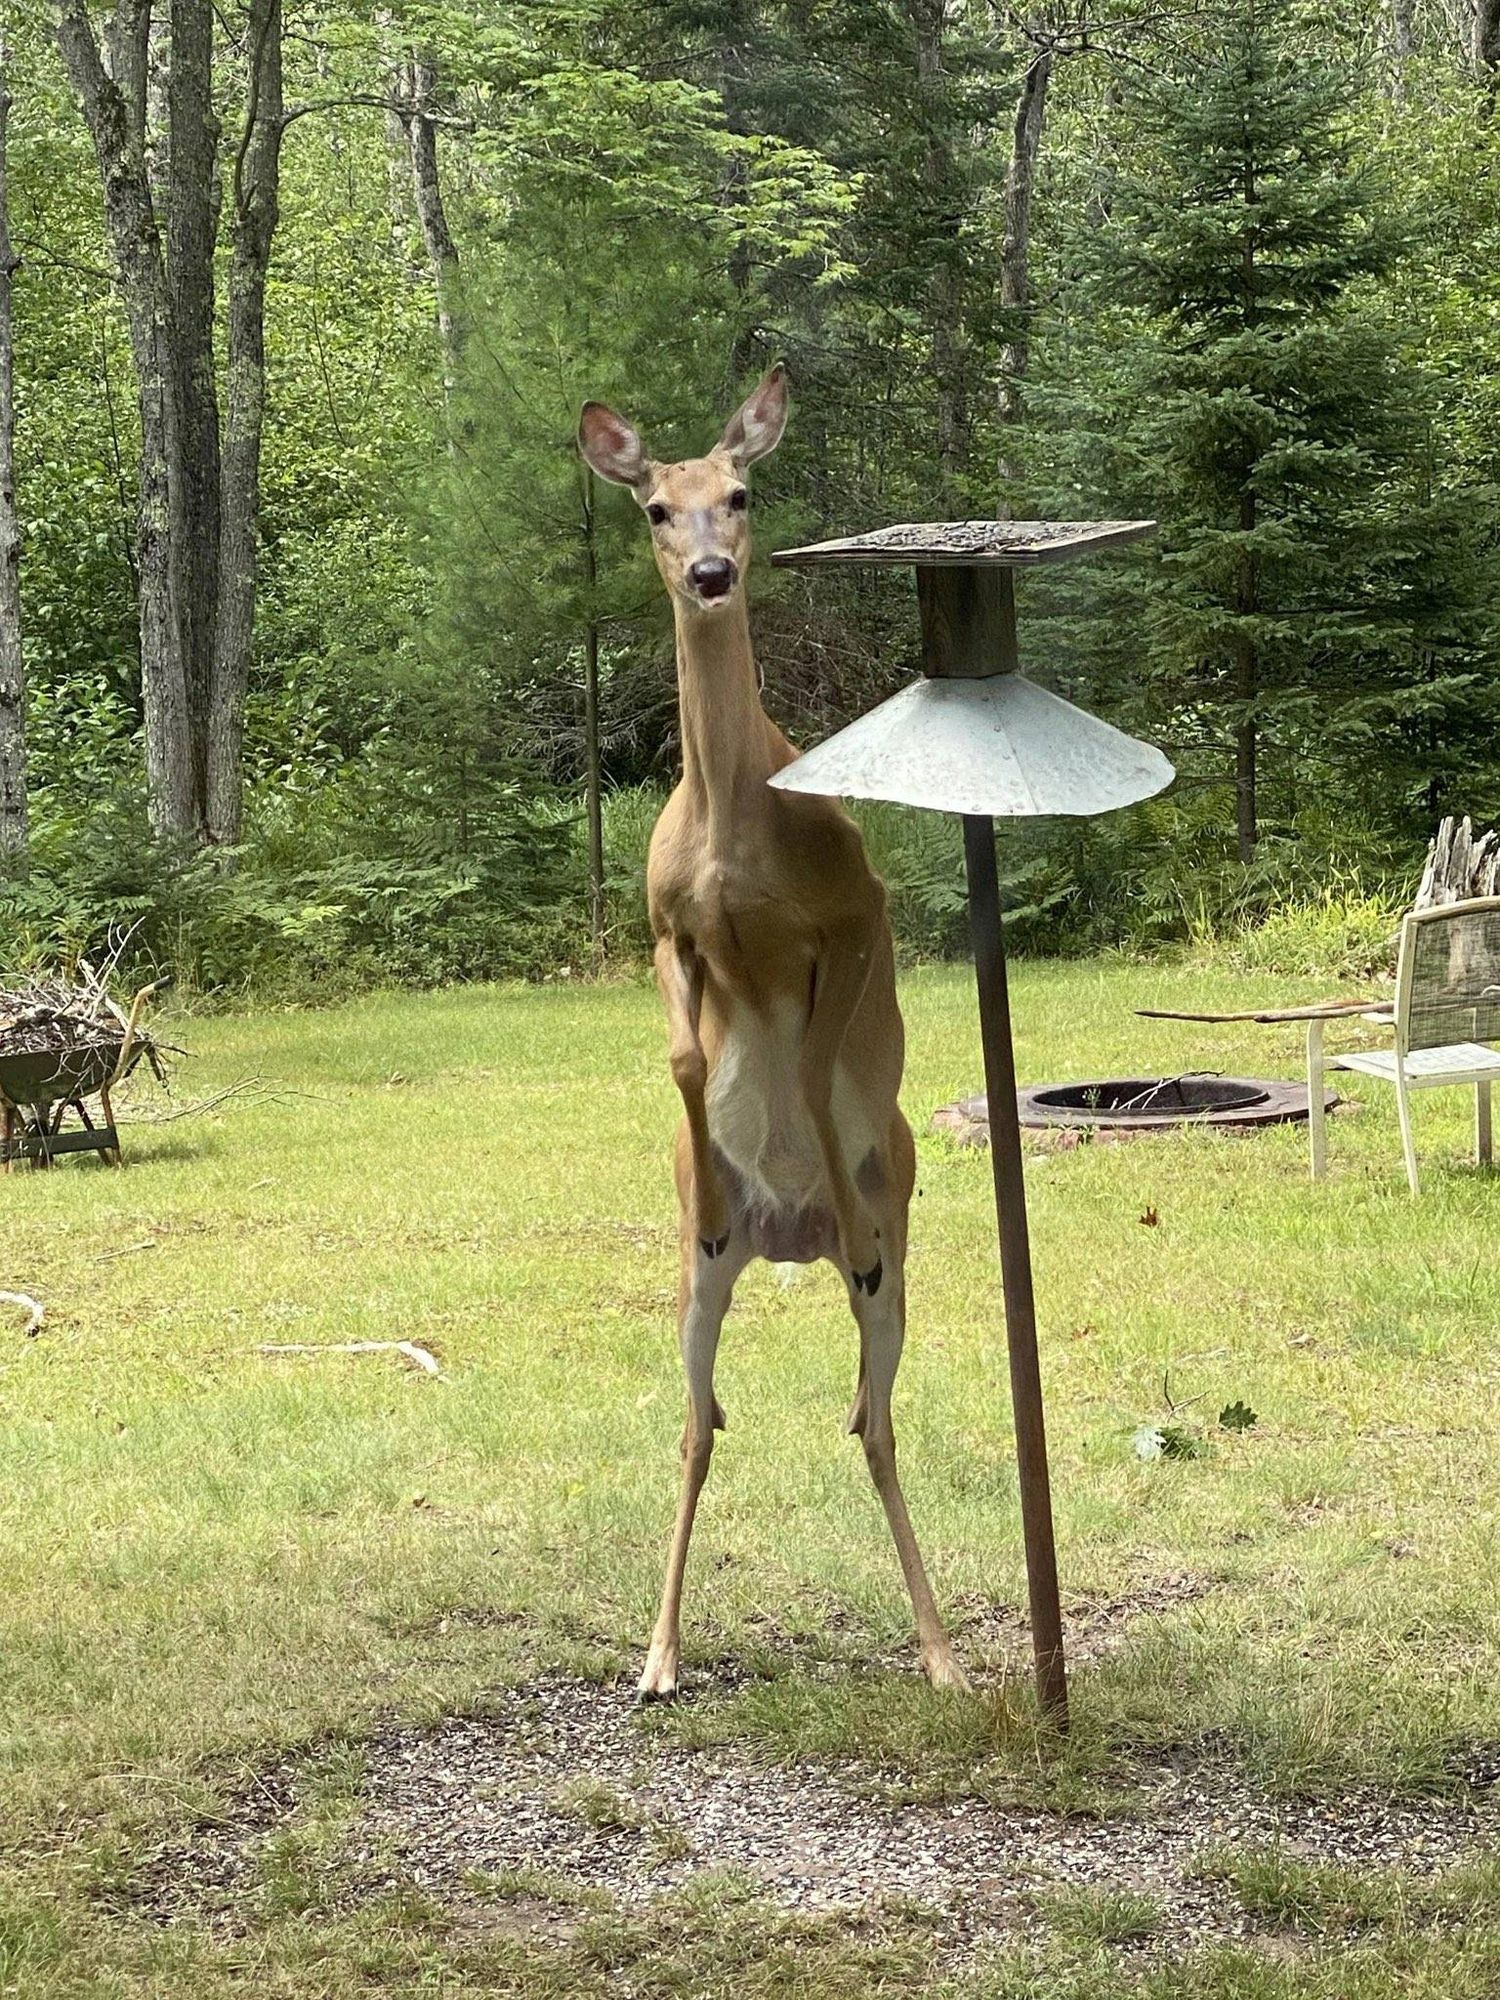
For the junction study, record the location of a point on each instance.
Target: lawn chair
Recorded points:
(1445, 1014)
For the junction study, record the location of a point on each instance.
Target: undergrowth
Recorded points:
(325, 899)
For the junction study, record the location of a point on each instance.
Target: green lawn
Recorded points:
(211, 1556)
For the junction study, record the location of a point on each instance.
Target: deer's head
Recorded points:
(698, 509)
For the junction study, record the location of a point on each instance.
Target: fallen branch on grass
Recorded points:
(34, 1310)
(408, 1349)
(253, 1089)
(248, 1086)
(1323, 1010)
(130, 1250)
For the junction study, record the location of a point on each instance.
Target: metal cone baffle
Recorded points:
(975, 737)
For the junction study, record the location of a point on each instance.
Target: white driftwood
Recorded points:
(1323, 1010)
(418, 1356)
(1460, 865)
(34, 1310)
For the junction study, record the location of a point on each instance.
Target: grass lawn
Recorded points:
(212, 1557)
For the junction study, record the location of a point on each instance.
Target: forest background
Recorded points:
(323, 664)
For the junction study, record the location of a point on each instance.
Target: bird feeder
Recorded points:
(973, 736)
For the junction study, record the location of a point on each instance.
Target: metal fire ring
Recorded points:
(1154, 1104)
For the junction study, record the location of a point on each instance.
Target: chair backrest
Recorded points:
(1448, 975)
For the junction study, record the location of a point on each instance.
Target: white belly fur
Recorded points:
(759, 1121)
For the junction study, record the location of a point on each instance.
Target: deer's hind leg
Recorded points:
(881, 1318)
(680, 975)
(841, 975)
(704, 1293)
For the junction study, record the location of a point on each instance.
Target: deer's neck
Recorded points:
(727, 738)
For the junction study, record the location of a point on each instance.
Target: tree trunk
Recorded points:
(442, 251)
(1484, 46)
(113, 102)
(1403, 15)
(593, 787)
(738, 31)
(1015, 260)
(13, 826)
(1246, 808)
(1247, 588)
(398, 173)
(192, 221)
(1246, 687)
(944, 221)
(255, 195)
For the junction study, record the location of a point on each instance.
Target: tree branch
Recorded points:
(404, 108)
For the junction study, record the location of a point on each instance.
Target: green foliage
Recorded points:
(648, 204)
(1321, 595)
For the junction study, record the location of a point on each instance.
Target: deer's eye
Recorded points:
(739, 499)
(656, 514)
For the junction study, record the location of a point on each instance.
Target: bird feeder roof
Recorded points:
(1009, 544)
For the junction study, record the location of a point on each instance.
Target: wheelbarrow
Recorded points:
(38, 1087)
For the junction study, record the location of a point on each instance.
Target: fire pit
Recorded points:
(1142, 1104)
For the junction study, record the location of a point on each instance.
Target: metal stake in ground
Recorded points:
(1015, 1266)
(975, 737)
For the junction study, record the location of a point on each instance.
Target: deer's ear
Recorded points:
(756, 426)
(611, 446)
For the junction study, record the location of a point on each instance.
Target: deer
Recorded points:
(774, 957)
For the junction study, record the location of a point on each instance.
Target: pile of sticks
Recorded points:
(55, 1016)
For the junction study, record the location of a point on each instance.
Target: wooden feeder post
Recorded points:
(976, 738)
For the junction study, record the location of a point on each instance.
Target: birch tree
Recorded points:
(198, 488)
(109, 78)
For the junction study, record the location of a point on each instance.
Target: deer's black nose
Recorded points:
(713, 576)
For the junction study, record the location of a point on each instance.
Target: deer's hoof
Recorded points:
(869, 1281)
(943, 1671)
(714, 1246)
(657, 1684)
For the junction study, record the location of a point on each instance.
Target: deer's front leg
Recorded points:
(679, 973)
(845, 955)
(702, 1303)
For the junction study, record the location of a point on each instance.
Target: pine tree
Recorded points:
(1255, 398)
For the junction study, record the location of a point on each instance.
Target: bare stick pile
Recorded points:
(58, 1016)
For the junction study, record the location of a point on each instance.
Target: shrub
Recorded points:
(1346, 933)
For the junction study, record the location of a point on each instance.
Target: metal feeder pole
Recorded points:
(969, 633)
(1015, 1269)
